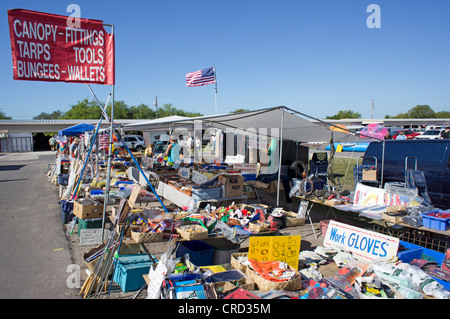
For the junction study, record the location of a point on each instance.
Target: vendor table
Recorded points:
(182, 200)
(348, 208)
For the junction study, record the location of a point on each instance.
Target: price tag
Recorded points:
(275, 248)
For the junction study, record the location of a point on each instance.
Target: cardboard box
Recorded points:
(233, 185)
(87, 209)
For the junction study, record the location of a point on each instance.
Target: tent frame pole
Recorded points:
(281, 154)
(108, 170)
(382, 164)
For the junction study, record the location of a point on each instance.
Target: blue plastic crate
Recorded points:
(249, 177)
(418, 252)
(189, 290)
(63, 179)
(435, 222)
(129, 270)
(200, 253)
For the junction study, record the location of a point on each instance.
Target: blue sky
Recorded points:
(315, 56)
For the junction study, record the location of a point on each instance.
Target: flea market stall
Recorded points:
(215, 240)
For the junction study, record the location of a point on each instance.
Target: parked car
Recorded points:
(394, 129)
(410, 134)
(135, 142)
(430, 135)
(431, 156)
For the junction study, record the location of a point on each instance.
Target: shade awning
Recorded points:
(261, 122)
(77, 129)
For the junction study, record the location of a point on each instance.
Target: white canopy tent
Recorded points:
(291, 124)
(154, 123)
(280, 122)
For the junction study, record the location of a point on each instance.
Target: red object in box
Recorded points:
(446, 261)
(241, 294)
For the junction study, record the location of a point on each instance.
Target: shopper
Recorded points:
(401, 136)
(149, 150)
(52, 142)
(445, 134)
(73, 149)
(172, 151)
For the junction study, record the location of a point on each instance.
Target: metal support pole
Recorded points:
(215, 82)
(145, 176)
(382, 164)
(108, 170)
(89, 153)
(281, 153)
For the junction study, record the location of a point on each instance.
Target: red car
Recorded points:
(410, 134)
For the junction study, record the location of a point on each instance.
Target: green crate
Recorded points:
(88, 224)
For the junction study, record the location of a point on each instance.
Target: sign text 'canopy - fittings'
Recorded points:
(45, 48)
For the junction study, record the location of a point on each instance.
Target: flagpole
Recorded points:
(215, 81)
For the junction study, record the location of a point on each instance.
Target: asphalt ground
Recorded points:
(34, 254)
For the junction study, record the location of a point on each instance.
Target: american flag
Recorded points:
(201, 77)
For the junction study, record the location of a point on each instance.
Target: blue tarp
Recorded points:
(77, 129)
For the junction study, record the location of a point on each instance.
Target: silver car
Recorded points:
(430, 135)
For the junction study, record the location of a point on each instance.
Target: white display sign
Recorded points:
(198, 177)
(246, 168)
(363, 244)
(261, 144)
(156, 279)
(92, 236)
(368, 196)
(184, 172)
(147, 161)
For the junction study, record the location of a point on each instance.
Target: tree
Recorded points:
(169, 109)
(142, 111)
(443, 115)
(417, 112)
(49, 116)
(3, 116)
(121, 110)
(346, 114)
(240, 110)
(84, 109)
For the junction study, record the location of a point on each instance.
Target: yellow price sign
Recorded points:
(273, 248)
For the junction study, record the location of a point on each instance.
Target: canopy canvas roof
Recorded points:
(154, 124)
(294, 125)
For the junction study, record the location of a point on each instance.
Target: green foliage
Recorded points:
(86, 109)
(169, 109)
(443, 115)
(240, 110)
(49, 116)
(3, 116)
(417, 112)
(422, 112)
(346, 114)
